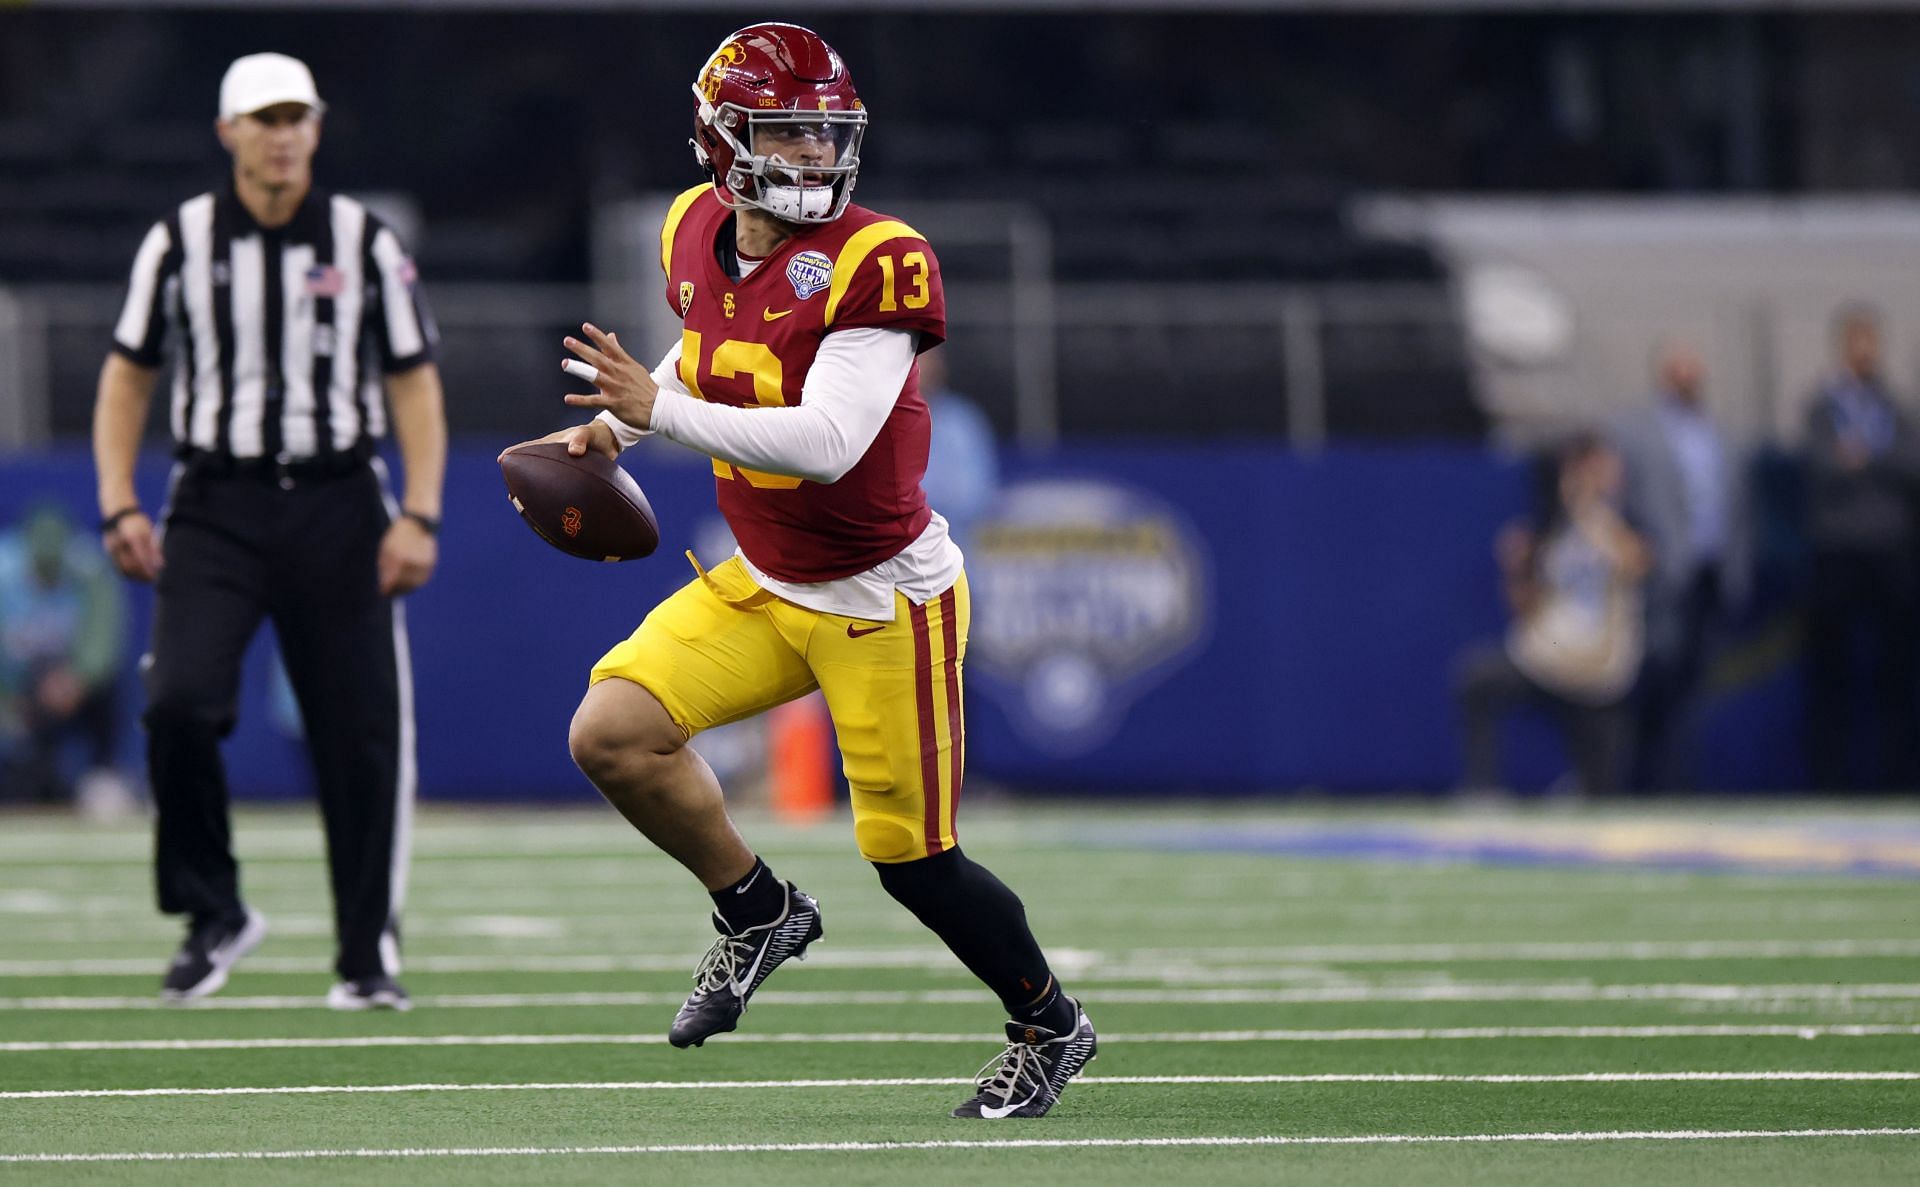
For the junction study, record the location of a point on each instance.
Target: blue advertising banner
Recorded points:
(1146, 618)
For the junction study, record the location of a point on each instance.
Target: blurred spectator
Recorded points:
(963, 463)
(1573, 580)
(1685, 492)
(1863, 464)
(62, 635)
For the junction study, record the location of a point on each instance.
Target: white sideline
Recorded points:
(1376, 1139)
(940, 958)
(929, 1082)
(1304, 995)
(1190, 1036)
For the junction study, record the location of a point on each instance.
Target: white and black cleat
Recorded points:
(1028, 1077)
(736, 965)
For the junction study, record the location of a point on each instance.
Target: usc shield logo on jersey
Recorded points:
(861, 270)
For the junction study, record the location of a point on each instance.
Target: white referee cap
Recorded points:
(259, 81)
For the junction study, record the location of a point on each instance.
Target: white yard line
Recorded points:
(926, 1082)
(1143, 959)
(1403, 1034)
(1378, 1139)
(1299, 995)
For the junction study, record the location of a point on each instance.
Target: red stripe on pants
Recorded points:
(929, 741)
(956, 720)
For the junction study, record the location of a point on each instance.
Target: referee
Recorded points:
(285, 305)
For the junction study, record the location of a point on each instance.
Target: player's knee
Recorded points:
(622, 736)
(888, 839)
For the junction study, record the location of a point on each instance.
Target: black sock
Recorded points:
(757, 898)
(985, 925)
(1051, 1009)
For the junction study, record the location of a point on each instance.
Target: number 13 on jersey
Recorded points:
(733, 357)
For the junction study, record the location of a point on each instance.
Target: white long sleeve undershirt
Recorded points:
(849, 392)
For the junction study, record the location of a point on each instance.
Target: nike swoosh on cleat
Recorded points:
(993, 1112)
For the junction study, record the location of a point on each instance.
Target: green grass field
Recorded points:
(1266, 1015)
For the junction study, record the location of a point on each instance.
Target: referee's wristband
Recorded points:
(113, 521)
(427, 522)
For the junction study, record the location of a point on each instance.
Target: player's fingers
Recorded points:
(595, 357)
(588, 400)
(583, 371)
(578, 441)
(608, 343)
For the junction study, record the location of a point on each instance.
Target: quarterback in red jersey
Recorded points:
(803, 315)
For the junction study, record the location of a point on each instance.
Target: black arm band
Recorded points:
(428, 522)
(113, 521)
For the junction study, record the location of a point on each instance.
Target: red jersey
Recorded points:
(749, 343)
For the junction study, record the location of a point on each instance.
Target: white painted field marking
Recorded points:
(1454, 1033)
(1085, 960)
(931, 1082)
(1302, 995)
(1376, 1139)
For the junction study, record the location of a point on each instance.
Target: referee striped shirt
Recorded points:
(282, 333)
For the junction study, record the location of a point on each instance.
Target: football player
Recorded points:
(803, 314)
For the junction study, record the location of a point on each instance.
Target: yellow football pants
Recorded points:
(721, 648)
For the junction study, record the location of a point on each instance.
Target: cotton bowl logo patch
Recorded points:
(1087, 595)
(809, 272)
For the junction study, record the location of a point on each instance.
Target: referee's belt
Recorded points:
(208, 463)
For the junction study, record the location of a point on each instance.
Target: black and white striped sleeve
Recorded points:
(401, 319)
(142, 327)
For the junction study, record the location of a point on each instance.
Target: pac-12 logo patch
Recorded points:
(686, 296)
(809, 272)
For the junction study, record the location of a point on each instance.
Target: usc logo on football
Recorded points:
(570, 522)
(731, 54)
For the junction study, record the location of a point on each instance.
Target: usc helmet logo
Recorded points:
(570, 522)
(730, 54)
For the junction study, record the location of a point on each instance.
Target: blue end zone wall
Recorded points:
(1333, 593)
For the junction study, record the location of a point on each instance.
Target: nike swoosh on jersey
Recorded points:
(770, 315)
(854, 632)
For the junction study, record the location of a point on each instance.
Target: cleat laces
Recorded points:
(1007, 1075)
(722, 964)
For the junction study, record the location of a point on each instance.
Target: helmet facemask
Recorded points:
(806, 166)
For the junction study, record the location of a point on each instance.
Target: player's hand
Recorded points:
(408, 553)
(131, 545)
(595, 435)
(622, 385)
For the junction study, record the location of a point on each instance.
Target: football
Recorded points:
(585, 506)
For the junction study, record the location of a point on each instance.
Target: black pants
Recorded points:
(1489, 685)
(239, 549)
(1857, 598)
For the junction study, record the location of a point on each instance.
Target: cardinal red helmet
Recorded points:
(779, 124)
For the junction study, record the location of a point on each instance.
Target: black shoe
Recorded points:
(378, 992)
(211, 948)
(736, 964)
(1028, 1077)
